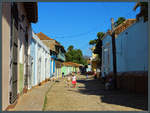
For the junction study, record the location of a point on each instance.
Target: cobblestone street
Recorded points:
(89, 95)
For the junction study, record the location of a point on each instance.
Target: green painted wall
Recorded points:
(21, 77)
(64, 69)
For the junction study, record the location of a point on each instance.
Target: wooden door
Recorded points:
(14, 53)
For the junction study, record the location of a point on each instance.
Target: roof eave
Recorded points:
(32, 11)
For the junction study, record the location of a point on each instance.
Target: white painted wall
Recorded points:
(43, 53)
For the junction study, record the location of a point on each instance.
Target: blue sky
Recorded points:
(76, 23)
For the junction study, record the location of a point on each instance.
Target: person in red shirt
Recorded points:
(74, 80)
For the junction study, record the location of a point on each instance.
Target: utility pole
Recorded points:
(114, 54)
(100, 41)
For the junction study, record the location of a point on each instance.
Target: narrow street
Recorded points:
(105, 52)
(89, 95)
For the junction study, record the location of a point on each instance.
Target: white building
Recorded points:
(41, 61)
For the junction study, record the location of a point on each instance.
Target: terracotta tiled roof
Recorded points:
(53, 42)
(42, 36)
(71, 64)
(123, 26)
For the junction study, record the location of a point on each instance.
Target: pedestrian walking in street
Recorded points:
(74, 80)
(104, 77)
(86, 75)
(68, 81)
(62, 74)
(108, 84)
(95, 77)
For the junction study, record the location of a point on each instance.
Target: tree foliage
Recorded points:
(93, 42)
(70, 48)
(75, 55)
(100, 34)
(119, 21)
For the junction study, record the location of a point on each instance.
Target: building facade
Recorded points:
(131, 55)
(16, 31)
(41, 61)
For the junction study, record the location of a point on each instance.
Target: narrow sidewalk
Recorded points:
(33, 100)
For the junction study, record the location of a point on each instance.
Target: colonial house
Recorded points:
(69, 67)
(57, 52)
(131, 41)
(16, 32)
(95, 62)
(50, 44)
(59, 59)
(107, 50)
(40, 63)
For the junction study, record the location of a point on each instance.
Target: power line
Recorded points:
(92, 31)
(85, 33)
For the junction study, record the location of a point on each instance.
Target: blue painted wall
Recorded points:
(132, 48)
(61, 56)
(50, 68)
(32, 49)
(107, 58)
(53, 66)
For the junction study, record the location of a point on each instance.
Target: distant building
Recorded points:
(57, 52)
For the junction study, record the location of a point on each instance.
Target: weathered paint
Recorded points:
(32, 49)
(132, 48)
(23, 27)
(42, 61)
(21, 78)
(107, 58)
(6, 36)
(64, 70)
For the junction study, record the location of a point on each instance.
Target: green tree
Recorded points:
(119, 21)
(74, 55)
(93, 42)
(70, 48)
(100, 34)
(96, 41)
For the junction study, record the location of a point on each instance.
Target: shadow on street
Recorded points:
(118, 97)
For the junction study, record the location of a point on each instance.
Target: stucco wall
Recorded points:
(35, 68)
(32, 53)
(132, 48)
(107, 66)
(50, 44)
(6, 16)
(22, 25)
(41, 67)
